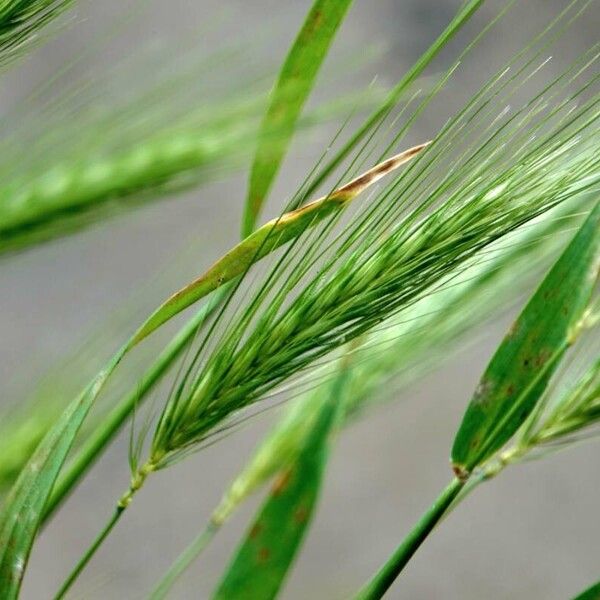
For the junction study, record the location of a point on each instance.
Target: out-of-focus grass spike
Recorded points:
(85, 164)
(265, 556)
(60, 194)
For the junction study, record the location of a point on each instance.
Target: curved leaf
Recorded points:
(25, 506)
(268, 238)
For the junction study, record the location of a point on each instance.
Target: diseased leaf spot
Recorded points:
(301, 514)
(542, 358)
(255, 531)
(460, 471)
(315, 23)
(282, 483)
(263, 555)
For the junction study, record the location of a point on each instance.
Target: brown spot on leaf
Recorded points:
(542, 358)
(317, 19)
(255, 531)
(282, 483)
(301, 514)
(460, 472)
(263, 555)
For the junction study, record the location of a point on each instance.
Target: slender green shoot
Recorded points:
(385, 577)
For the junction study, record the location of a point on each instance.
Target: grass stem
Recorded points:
(85, 559)
(137, 481)
(386, 576)
(184, 561)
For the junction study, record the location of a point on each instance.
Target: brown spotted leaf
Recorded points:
(523, 364)
(266, 554)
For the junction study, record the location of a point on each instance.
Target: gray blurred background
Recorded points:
(532, 533)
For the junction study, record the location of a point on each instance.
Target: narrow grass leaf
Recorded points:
(268, 238)
(523, 364)
(296, 79)
(25, 506)
(269, 548)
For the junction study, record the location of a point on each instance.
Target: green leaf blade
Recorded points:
(24, 509)
(523, 364)
(295, 82)
(266, 554)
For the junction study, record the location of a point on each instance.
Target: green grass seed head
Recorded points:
(363, 285)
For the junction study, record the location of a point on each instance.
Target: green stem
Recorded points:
(85, 559)
(137, 481)
(382, 581)
(186, 558)
(106, 431)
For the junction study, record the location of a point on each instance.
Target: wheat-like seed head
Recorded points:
(417, 231)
